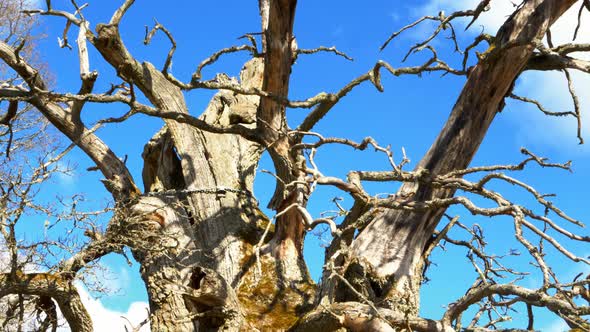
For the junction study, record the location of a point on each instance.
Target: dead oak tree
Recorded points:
(209, 257)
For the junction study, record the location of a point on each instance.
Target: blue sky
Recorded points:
(408, 114)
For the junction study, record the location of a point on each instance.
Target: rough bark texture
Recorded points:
(278, 18)
(386, 256)
(220, 222)
(197, 230)
(59, 288)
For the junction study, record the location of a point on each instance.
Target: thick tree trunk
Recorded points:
(384, 262)
(205, 274)
(278, 18)
(214, 173)
(392, 281)
(197, 230)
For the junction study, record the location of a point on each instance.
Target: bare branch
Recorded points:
(481, 7)
(576, 101)
(118, 15)
(533, 297)
(555, 61)
(51, 285)
(584, 5)
(325, 102)
(445, 21)
(215, 56)
(148, 38)
(111, 166)
(439, 237)
(566, 49)
(324, 49)
(540, 106)
(82, 49)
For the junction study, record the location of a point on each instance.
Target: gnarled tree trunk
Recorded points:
(210, 259)
(211, 225)
(384, 262)
(213, 272)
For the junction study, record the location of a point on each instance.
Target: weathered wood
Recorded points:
(56, 286)
(278, 41)
(390, 247)
(197, 227)
(118, 178)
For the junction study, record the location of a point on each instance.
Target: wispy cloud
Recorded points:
(558, 325)
(105, 319)
(34, 3)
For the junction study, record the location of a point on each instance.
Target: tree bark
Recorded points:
(217, 223)
(385, 260)
(197, 230)
(279, 46)
(55, 286)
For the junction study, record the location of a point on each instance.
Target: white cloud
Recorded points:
(65, 177)
(490, 20)
(105, 319)
(558, 325)
(66, 180)
(551, 90)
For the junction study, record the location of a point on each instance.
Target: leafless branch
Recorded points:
(118, 15)
(148, 38)
(576, 101)
(215, 56)
(540, 106)
(444, 22)
(324, 49)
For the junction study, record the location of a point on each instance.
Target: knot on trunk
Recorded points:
(361, 283)
(208, 297)
(208, 288)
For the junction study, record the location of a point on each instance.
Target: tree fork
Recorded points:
(390, 248)
(198, 233)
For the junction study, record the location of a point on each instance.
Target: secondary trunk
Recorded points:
(384, 262)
